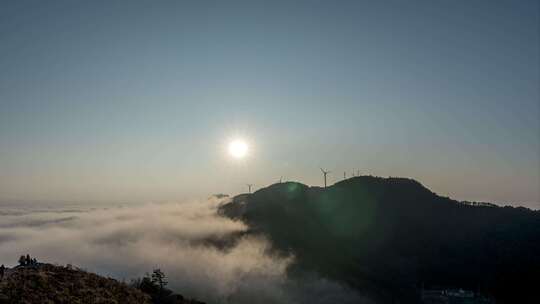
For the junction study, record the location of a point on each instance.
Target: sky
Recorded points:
(136, 101)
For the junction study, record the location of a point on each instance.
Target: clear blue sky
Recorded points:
(136, 100)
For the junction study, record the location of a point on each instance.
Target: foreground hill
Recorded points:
(46, 283)
(389, 236)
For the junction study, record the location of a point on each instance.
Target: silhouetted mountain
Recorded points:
(389, 236)
(46, 283)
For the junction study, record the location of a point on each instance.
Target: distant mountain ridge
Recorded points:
(389, 236)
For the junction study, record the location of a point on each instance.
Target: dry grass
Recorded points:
(47, 283)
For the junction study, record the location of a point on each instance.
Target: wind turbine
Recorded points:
(325, 173)
(344, 175)
(249, 187)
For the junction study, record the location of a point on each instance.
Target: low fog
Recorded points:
(204, 256)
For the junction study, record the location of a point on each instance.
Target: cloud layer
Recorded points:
(204, 255)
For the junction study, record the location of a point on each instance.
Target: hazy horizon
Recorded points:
(135, 101)
(52, 203)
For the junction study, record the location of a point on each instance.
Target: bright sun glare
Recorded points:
(238, 148)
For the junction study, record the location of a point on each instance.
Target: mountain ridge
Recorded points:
(388, 236)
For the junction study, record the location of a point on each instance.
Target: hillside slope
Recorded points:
(389, 236)
(48, 284)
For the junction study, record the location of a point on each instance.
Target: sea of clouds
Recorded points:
(204, 255)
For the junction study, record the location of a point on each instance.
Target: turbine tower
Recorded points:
(324, 173)
(344, 175)
(249, 187)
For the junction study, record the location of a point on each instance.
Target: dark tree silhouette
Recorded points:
(159, 279)
(22, 260)
(154, 285)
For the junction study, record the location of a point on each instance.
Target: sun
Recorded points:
(238, 148)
